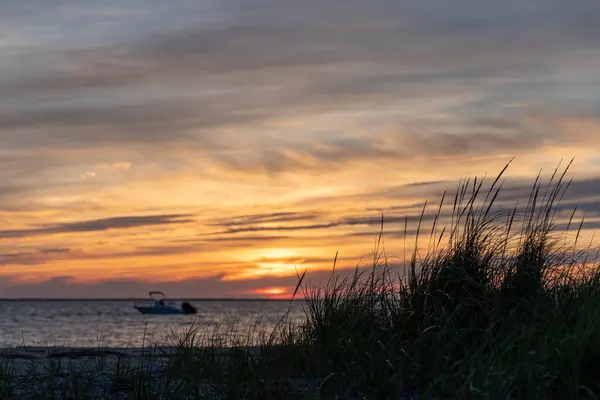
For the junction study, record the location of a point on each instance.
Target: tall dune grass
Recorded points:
(502, 304)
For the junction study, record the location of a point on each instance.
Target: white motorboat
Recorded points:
(160, 306)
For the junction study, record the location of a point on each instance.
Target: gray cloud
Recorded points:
(47, 255)
(33, 257)
(55, 251)
(142, 251)
(340, 54)
(411, 219)
(99, 225)
(281, 228)
(478, 137)
(348, 221)
(248, 239)
(265, 218)
(582, 195)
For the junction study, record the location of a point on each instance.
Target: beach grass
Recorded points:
(498, 301)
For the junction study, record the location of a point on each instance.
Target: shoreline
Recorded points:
(25, 360)
(103, 372)
(34, 352)
(102, 299)
(123, 373)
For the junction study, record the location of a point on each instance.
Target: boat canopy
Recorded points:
(155, 293)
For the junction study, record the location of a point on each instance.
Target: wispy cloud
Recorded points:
(99, 225)
(266, 218)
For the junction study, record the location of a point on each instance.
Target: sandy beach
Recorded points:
(104, 373)
(26, 360)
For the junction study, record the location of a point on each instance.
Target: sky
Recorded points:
(213, 148)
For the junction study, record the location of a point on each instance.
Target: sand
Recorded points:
(35, 370)
(39, 359)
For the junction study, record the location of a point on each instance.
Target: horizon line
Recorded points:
(145, 298)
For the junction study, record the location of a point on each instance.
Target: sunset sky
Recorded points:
(209, 148)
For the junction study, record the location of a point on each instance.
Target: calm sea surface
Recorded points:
(118, 324)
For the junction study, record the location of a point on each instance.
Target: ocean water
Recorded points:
(118, 324)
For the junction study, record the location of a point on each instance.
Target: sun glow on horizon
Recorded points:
(277, 253)
(273, 292)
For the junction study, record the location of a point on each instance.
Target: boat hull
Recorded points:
(159, 310)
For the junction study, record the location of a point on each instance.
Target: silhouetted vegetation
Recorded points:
(508, 308)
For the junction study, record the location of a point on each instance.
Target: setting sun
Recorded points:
(278, 253)
(273, 292)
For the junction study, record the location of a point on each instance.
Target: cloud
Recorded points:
(33, 257)
(281, 228)
(581, 194)
(61, 279)
(266, 218)
(214, 286)
(99, 225)
(392, 220)
(52, 255)
(55, 251)
(411, 51)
